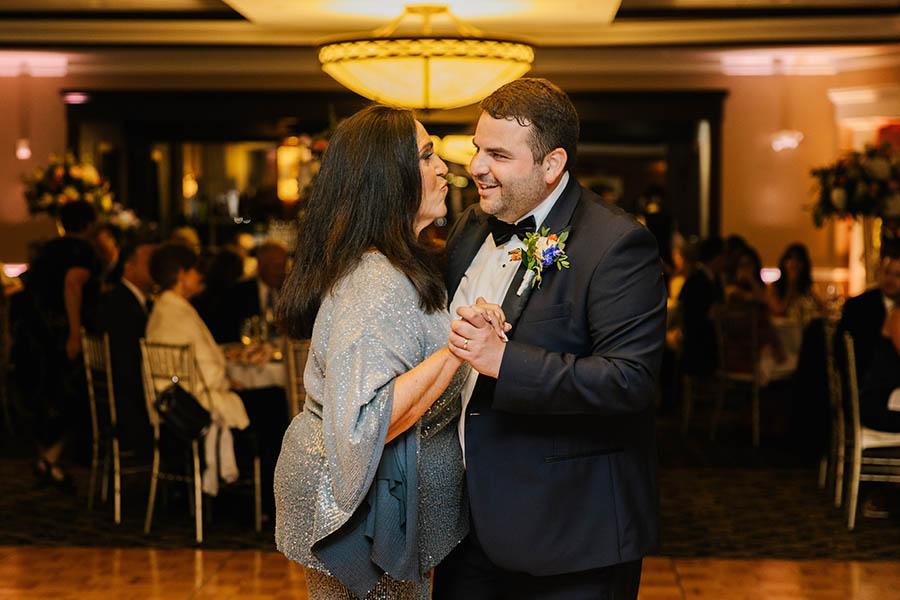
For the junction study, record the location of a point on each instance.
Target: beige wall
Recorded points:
(764, 193)
(48, 135)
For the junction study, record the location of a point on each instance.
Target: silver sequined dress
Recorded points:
(367, 332)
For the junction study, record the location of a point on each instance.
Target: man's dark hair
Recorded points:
(78, 216)
(167, 260)
(710, 248)
(366, 196)
(541, 104)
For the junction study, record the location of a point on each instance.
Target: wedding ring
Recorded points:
(466, 345)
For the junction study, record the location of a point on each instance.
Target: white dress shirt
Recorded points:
(489, 277)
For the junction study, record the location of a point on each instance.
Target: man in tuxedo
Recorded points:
(259, 295)
(700, 296)
(558, 423)
(863, 316)
(123, 316)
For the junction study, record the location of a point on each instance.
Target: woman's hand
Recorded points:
(479, 337)
(492, 314)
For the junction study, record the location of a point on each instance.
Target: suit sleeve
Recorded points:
(626, 314)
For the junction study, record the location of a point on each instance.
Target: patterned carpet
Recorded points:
(722, 499)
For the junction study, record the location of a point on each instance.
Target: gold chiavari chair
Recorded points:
(104, 424)
(297, 352)
(863, 466)
(162, 364)
(834, 460)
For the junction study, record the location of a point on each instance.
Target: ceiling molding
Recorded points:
(562, 32)
(866, 104)
(580, 63)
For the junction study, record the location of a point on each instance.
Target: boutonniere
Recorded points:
(541, 250)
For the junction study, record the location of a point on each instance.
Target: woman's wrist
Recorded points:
(450, 357)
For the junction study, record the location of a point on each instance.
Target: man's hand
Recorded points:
(474, 337)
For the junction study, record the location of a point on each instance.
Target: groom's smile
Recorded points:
(509, 180)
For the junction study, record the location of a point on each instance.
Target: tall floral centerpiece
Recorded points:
(859, 184)
(66, 179)
(864, 186)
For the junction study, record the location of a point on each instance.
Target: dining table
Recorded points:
(256, 364)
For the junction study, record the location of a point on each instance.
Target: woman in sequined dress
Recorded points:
(369, 484)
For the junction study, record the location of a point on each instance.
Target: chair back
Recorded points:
(98, 373)
(835, 391)
(161, 364)
(297, 353)
(737, 331)
(852, 387)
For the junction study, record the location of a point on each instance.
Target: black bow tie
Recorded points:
(503, 231)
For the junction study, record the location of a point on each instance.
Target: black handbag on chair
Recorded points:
(181, 411)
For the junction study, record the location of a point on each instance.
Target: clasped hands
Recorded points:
(479, 336)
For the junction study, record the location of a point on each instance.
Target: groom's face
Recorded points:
(510, 183)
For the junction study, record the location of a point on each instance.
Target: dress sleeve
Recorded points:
(370, 344)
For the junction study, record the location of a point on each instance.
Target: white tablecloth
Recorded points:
(257, 376)
(790, 334)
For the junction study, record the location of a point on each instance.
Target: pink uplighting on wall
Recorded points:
(36, 64)
(23, 149)
(14, 269)
(770, 274)
(76, 98)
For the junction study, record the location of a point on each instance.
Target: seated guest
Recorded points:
(734, 244)
(745, 284)
(174, 321)
(863, 316)
(747, 290)
(215, 304)
(259, 295)
(699, 299)
(883, 378)
(879, 405)
(792, 296)
(123, 316)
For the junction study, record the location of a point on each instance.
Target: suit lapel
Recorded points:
(557, 219)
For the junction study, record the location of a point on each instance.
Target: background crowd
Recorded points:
(133, 287)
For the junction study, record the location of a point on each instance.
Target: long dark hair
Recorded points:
(804, 278)
(366, 196)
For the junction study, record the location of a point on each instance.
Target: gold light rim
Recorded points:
(481, 63)
(401, 41)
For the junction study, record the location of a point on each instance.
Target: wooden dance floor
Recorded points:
(30, 573)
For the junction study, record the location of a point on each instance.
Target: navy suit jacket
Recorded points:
(124, 319)
(561, 463)
(863, 317)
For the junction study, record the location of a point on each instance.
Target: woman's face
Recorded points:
(191, 282)
(434, 186)
(792, 267)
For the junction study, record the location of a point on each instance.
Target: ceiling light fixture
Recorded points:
(425, 69)
(787, 137)
(456, 148)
